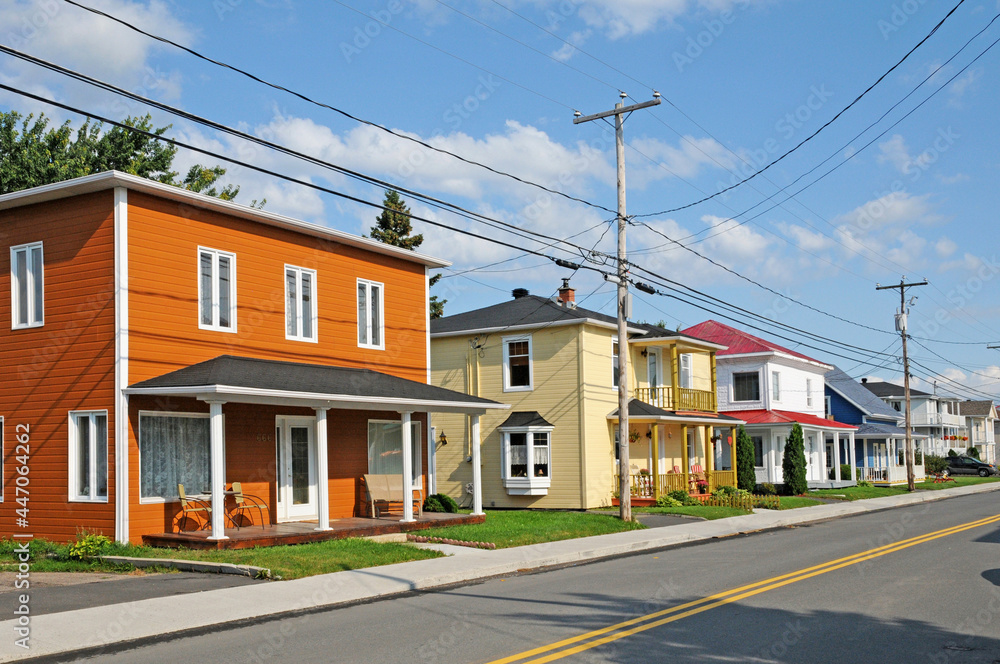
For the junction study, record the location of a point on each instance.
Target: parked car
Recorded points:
(964, 465)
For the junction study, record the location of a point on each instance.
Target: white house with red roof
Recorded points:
(772, 388)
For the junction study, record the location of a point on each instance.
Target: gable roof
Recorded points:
(739, 342)
(862, 398)
(883, 389)
(112, 179)
(975, 408)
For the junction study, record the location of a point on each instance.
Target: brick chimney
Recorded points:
(566, 294)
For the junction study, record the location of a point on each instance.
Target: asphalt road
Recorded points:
(792, 595)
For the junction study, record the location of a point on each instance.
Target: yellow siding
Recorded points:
(600, 398)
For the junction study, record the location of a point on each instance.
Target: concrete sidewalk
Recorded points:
(118, 623)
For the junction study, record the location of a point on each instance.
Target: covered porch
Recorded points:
(674, 451)
(881, 449)
(297, 436)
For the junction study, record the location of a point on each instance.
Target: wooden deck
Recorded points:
(301, 532)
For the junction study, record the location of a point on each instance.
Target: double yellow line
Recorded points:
(598, 637)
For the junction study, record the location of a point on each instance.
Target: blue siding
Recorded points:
(843, 410)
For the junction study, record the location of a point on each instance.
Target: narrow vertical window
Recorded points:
(775, 386)
(809, 392)
(300, 304)
(615, 366)
(88, 456)
(371, 331)
(516, 364)
(686, 371)
(216, 290)
(27, 293)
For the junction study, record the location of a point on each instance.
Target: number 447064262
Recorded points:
(21, 452)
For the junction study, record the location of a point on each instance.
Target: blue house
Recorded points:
(880, 441)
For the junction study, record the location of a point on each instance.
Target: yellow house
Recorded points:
(556, 365)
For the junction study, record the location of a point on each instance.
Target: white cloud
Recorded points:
(684, 160)
(567, 51)
(898, 208)
(807, 239)
(945, 247)
(623, 18)
(963, 84)
(952, 179)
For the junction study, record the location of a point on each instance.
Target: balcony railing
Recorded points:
(684, 399)
(937, 420)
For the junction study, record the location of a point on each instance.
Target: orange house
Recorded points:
(160, 337)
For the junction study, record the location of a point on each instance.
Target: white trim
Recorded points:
(285, 509)
(532, 326)
(34, 320)
(530, 485)
(427, 330)
(314, 306)
(71, 484)
(122, 488)
(159, 500)
(216, 254)
(681, 370)
(775, 353)
(369, 286)
(760, 387)
(775, 386)
(507, 387)
(111, 179)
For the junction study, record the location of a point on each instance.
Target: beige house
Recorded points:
(556, 365)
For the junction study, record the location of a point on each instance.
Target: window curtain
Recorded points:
(385, 448)
(172, 451)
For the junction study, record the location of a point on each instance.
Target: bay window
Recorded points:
(527, 458)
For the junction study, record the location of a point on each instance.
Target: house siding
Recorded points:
(65, 365)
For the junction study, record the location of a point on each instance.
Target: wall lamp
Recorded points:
(443, 439)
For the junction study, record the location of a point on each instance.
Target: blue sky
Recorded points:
(744, 81)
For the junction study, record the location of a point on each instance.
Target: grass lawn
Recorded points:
(792, 502)
(862, 492)
(287, 562)
(517, 528)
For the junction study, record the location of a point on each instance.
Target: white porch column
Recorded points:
(407, 469)
(322, 471)
(477, 471)
(431, 457)
(836, 455)
(853, 456)
(217, 455)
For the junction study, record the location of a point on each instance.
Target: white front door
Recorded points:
(296, 464)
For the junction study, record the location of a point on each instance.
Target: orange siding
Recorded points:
(68, 364)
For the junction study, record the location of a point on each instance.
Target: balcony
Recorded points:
(937, 420)
(684, 399)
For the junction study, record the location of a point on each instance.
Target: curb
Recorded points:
(193, 566)
(100, 630)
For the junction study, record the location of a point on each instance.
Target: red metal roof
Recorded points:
(788, 417)
(738, 341)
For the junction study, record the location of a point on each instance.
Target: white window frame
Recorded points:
(685, 374)
(74, 493)
(732, 387)
(828, 405)
(157, 500)
(35, 318)
(776, 386)
(507, 387)
(299, 313)
(369, 285)
(416, 441)
(809, 392)
(530, 485)
(615, 361)
(216, 254)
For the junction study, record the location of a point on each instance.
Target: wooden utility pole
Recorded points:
(624, 483)
(901, 326)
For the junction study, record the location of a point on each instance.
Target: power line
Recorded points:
(344, 113)
(821, 128)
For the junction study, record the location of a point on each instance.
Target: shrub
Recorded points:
(680, 495)
(973, 452)
(793, 462)
(88, 545)
(952, 453)
(667, 501)
(934, 463)
(766, 489)
(864, 483)
(439, 502)
(746, 477)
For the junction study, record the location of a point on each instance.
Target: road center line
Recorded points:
(649, 621)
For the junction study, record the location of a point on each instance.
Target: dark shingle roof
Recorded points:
(297, 377)
(975, 408)
(530, 418)
(854, 391)
(877, 429)
(883, 389)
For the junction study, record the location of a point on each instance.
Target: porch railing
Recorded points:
(641, 486)
(683, 399)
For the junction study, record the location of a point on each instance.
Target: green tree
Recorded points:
(973, 452)
(793, 463)
(33, 154)
(746, 478)
(393, 227)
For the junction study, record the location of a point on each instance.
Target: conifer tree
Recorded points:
(793, 463)
(746, 478)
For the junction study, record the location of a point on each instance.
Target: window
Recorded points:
(370, 326)
(686, 371)
(775, 386)
(897, 406)
(829, 405)
(216, 290)
(26, 286)
(809, 392)
(746, 386)
(615, 366)
(385, 448)
(527, 456)
(88, 456)
(174, 448)
(758, 451)
(516, 364)
(300, 303)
